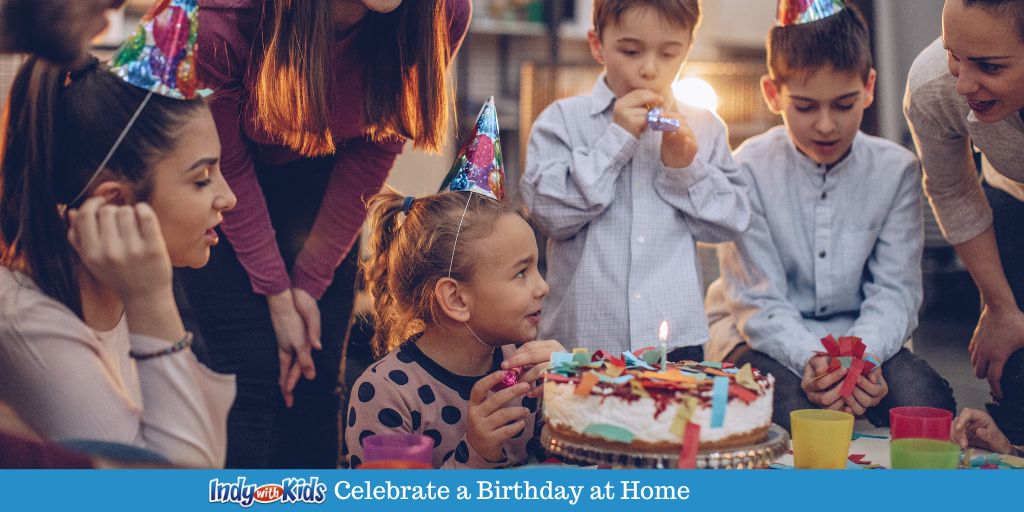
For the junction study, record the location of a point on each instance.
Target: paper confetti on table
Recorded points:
(1012, 461)
(857, 435)
(993, 461)
(858, 458)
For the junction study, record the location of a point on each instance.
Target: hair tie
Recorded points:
(407, 204)
(84, 69)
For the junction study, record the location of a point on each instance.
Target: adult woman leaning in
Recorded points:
(968, 89)
(313, 102)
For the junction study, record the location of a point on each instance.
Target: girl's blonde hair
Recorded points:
(408, 256)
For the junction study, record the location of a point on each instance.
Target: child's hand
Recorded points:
(122, 247)
(978, 429)
(534, 355)
(679, 147)
(490, 423)
(820, 386)
(868, 392)
(630, 111)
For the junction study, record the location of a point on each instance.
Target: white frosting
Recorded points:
(565, 410)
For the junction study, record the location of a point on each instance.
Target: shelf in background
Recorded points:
(570, 30)
(483, 25)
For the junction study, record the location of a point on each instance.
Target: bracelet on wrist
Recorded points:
(182, 344)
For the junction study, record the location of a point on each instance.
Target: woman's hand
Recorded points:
(309, 310)
(294, 349)
(533, 357)
(122, 247)
(490, 422)
(1000, 333)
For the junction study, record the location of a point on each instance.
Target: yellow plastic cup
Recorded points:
(821, 438)
(913, 453)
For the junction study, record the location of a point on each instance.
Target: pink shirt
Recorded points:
(67, 381)
(227, 30)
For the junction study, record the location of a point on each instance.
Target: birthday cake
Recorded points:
(631, 402)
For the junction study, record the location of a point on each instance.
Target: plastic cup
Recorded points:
(398, 451)
(821, 438)
(920, 423)
(923, 454)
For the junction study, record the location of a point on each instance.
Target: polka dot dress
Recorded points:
(406, 391)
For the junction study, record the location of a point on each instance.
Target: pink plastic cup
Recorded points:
(398, 451)
(920, 423)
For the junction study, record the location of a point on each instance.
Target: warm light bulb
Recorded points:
(696, 92)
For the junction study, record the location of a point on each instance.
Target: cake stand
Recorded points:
(754, 456)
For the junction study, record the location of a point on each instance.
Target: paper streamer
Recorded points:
(719, 401)
(691, 443)
(851, 378)
(587, 382)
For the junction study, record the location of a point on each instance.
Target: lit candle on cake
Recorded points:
(663, 338)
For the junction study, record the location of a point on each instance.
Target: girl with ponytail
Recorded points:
(456, 303)
(91, 343)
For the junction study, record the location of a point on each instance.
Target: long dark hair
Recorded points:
(57, 128)
(407, 90)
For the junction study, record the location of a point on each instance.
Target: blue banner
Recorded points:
(519, 490)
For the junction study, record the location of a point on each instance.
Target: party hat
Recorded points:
(798, 12)
(478, 166)
(160, 56)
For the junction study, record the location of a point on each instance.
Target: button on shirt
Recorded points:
(829, 251)
(622, 227)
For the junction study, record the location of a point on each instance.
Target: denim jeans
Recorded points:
(1008, 223)
(911, 382)
(693, 353)
(239, 337)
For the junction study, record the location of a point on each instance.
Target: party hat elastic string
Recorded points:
(110, 154)
(480, 341)
(451, 264)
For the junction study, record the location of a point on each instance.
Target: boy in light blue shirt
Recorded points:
(622, 204)
(836, 235)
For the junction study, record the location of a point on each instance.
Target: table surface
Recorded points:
(874, 450)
